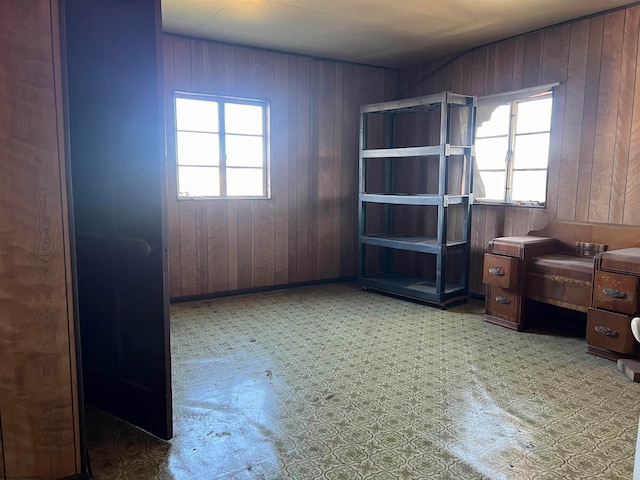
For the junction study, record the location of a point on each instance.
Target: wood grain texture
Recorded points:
(625, 112)
(574, 108)
(590, 114)
(594, 165)
(38, 390)
(280, 169)
(631, 213)
(555, 58)
(307, 230)
(532, 61)
(606, 120)
(504, 66)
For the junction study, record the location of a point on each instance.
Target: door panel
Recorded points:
(116, 144)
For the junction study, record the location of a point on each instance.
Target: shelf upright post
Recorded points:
(437, 250)
(362, 169)
(470, 158)
(389, 120)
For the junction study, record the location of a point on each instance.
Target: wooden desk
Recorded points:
(543, 266)
(614, 303)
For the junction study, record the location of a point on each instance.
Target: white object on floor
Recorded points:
(636, 465)
(635, 327)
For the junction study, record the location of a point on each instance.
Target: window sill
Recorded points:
(496, 203)
(180, 199)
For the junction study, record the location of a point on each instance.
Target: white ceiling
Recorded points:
(392, 33)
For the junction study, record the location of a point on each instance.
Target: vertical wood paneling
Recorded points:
(325, 173)
(292, 181)
(218, 246)
(518, 63)
(303, 143)
(314, 133)
(625, 112)
(307, 229)
(213, 71)
(606, 122)
(262, 86)
(594, 169)
(336, 171)
(489, 70)
(477, 246)
(590, 110)
(349, 172)
(280, 168)
(532, 61)
(574, 107)
(478, 72)
(632, 192)
(38, 383)
(504, 66)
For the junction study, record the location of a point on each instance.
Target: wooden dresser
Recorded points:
(504, 276)
(614, 303)
(545, 266)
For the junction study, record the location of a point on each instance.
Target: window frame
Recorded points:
(221, 100)
(514, 98)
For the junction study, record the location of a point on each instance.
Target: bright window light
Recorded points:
(512, 150)
(221, 147)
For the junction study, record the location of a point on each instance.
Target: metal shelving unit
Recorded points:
(436, 269)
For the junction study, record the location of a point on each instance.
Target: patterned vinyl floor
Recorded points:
(331, 382)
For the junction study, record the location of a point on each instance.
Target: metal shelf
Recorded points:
(419, 104)
(437, 288)
(403, 242)
(414, 287)
(409, 152)
(413, 199)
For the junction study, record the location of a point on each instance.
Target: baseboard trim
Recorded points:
(267, 288)
(77, 476)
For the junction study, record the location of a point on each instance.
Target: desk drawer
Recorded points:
(500, 271)
(608, 330)
(614, 291)
(502, 302)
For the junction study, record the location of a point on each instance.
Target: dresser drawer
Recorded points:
(614, 291)
(502, 302)
(608, 330)
(500, 271)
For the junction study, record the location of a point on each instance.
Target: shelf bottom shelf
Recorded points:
(415, 288)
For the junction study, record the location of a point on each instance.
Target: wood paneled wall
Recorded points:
(38, 389)
(594, 166)
(307, 230)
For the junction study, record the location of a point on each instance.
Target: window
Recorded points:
(221, 146)
(512, 147)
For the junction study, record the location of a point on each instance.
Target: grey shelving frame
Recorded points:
(438, 290)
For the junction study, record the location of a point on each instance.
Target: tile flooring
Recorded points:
(332, 382)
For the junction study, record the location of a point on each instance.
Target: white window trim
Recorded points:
(492, 102)
(266, 104)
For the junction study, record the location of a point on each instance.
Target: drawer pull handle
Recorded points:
(496, 271)
(503, 300)
(609, 332)
(612, 292)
